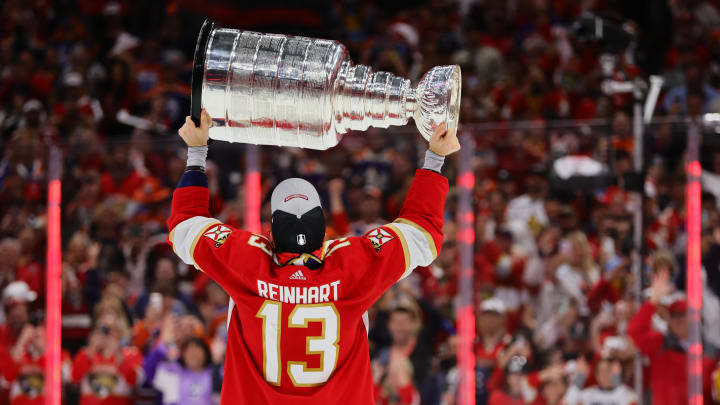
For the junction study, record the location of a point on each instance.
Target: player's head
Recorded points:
(298, 222)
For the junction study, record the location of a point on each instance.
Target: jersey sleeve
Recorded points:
(419, 225)
(217, 249)
(640, 330)
(391, 252)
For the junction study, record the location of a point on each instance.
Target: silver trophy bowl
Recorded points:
(282, 90)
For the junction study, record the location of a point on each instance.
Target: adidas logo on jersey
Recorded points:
(298, 275)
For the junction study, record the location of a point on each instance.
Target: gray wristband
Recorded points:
(196, 156)
(433, 161)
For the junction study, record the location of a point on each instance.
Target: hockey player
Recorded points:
(298, 328)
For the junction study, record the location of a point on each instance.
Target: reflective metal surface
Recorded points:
(282, 90)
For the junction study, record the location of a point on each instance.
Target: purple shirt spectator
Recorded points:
(181, 386)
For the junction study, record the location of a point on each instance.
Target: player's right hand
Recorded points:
(196, 136)
(444, 142)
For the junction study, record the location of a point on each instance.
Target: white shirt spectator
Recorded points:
(572, 282)
(525, 216)
(620, 395)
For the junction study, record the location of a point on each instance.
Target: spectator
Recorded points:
(609, 388)
(10, 256)
(515, 390)
(16, 299)
(370, 213)
(163, 280)
(394, 385)
(400, 369)
(24, 368)
(214, 309)
(492, 340)
(667, 351)
(578, 271)
(500, 265)
(493, 218)
(338, 216)
(107, 370)
(678, 98)
(551, 392)
(189, 379)
(174, 332)
(526, 214)
(81, 289)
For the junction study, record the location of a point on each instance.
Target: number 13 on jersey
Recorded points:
(325, 345)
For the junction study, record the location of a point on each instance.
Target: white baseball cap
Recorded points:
(294, 196)
(18, 292)
(493, 305)
(73, 79)
(32, 105)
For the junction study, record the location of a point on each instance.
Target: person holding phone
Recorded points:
(107, 370)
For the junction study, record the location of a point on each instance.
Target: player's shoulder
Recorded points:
(330, 248)
(220, 233)
(372, 240)
(261, 243)
(379, 236)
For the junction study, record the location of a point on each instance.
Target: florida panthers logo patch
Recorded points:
(379, 237)
(218, 233)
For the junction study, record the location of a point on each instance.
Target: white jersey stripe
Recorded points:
(231, 306)
(417, 248)
(406, 251)
(186, 234)
(431, 242)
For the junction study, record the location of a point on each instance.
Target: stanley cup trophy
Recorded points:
(284, 90)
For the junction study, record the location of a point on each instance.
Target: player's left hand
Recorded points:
(196, 136)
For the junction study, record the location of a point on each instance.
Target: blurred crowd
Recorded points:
(558, 319)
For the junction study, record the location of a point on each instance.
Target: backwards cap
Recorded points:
(298, 222)
(294, 196)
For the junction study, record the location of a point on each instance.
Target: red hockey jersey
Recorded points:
(296, 335)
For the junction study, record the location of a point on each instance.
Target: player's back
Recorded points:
(297, 335)
(303, 331)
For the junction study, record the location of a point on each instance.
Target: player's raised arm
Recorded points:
(419, 225)
(415, 237)
(196, 237)
(190, 212)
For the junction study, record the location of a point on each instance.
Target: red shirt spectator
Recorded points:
(107, 380)
(667, 352)
(106, 372)
(24, 368)
(16, 298)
